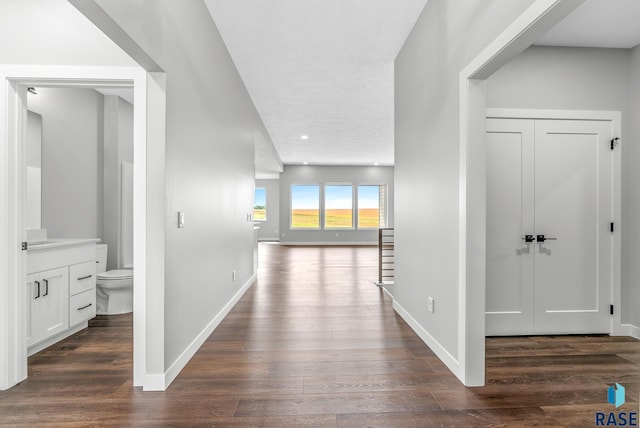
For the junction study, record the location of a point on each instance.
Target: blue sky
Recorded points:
(261, 197)
(337, 197)
(305, 197)
(368, 196)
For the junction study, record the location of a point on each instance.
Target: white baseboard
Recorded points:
(387, 292)
(55, 339)
(632, 330)
(173, 371)
(154, 382)
(330, 243)
(444, 355)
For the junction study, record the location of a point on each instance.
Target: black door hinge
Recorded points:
(610, 309)
(611, 227)
(614, 142)
(24, 246)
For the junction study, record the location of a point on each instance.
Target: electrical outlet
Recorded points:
(233, 275)
(430, 307)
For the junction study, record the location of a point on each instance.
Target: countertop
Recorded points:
(52, 244)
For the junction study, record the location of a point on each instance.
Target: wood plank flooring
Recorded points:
(315, 344)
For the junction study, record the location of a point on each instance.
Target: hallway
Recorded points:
(315, 343)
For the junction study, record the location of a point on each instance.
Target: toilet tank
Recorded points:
(101, 258)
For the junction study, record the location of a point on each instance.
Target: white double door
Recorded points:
(551, 180)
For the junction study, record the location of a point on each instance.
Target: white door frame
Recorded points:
(149, 142)
(615, 118)
(525, 30)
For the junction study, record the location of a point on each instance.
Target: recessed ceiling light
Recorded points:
(304, 137)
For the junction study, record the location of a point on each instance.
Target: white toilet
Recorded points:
(114, 288)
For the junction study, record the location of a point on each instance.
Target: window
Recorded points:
(260, 204)
(338, 206)
(305, 206)
(371, 202)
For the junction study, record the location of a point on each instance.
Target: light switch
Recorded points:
(180, 219)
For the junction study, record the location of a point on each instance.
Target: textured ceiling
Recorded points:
(598, 23)
(322, 68)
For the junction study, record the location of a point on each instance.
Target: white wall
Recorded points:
(446, 37)
(72, 149)
(631, 149)
(548, 77)
(210, 125)
(302, 174)
(269, 229)
(580, 79)
(53, 32)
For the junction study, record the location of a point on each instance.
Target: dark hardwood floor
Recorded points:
(315, 344)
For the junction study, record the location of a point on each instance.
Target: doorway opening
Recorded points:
(148, 236)
(525, 30)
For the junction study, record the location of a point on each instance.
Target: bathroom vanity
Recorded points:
(60, 290)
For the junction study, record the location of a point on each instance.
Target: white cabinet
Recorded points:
(48, 306)
(61, 292)
(82, 292)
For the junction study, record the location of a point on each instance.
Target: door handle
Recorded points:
(37, 283)
(528, 238)
(85, 306)
(46, 287)
(542, 238)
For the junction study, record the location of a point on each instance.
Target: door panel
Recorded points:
(573, 177)
(509, 218)
(551, 178)
(56, 301)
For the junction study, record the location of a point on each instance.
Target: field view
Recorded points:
(259, 214)
(305, 218)
(337, 218)
(369, 217)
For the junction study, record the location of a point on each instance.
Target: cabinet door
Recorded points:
(55, 301)
(34, 298)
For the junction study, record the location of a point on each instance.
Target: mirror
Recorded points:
(34, 170)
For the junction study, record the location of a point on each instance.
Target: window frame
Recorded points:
(266, 218)
(353, 206)
(385, 208)
(320, 210)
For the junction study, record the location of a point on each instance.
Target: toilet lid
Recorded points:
(116, 274)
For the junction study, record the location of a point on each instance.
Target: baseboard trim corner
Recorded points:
(634, 331)
(154, 382)
(440, 351)
(190, 351)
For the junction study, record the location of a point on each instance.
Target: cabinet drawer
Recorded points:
(82, 277)
(82, 307)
